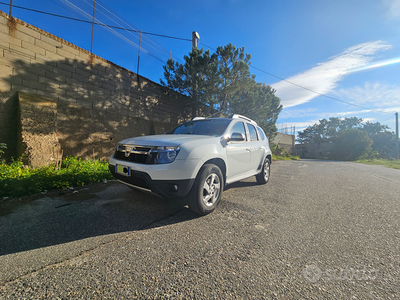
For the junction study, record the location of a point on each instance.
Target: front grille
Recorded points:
(131, 153)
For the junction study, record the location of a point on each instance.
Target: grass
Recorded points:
(394, 164)
(281, 154)
(19, 180)
(285, 157)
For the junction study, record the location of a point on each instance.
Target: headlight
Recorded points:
(164, 155)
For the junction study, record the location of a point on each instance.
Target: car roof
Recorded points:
(233, 116)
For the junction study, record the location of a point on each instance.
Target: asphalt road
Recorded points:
(317, 230)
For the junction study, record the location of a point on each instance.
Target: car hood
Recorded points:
(167, 139)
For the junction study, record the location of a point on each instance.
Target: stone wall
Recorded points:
(38, 131)
(9, 122)
(88, 103)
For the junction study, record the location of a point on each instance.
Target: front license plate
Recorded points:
(123, 170)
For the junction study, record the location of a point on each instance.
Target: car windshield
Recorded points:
(213, 127)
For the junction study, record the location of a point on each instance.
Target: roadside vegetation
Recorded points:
(280, 154)
(394, 164)
(350, 139)
(19, 180)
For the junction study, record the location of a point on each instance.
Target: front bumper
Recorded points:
(164, 188)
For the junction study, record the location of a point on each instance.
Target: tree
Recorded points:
(384, 143)
(232, 74)
(222, 80)
(340, 131)
(374, 128)
(327, 130)
(351, 144)
(383, 140)
(258, 103)
(210, 79)
(191, 78)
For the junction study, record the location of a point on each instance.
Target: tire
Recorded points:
(264, 175)
(206, 191)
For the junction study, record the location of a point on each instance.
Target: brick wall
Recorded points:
(96, 102)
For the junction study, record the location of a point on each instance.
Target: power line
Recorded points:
(318, 93)
(110, 13)
(107, 26)
(101, 24)
(305, 88)
(184, 39)
(82, 12)
(387, 119)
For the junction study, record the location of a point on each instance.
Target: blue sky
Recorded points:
(348, 50)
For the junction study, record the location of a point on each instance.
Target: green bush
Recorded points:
(350, 145)
(19, 180)
(281, 154)
(2, 146)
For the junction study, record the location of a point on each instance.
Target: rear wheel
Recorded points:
(263, 177)
(207, 189)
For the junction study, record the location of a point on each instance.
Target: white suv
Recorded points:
(195, 160)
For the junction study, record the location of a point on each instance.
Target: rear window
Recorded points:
(253, 133)
(261, 133)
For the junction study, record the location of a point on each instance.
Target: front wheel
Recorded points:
(207, 189)
(263, 177)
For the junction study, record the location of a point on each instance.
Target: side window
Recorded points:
(253, 133)
(261, 133)
(239, 127)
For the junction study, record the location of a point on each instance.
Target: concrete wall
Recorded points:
(314, 150)
(94, 102)
(285, 141)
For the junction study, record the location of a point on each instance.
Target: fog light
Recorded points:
(176, 187)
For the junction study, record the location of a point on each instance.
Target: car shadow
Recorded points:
(69, 215)
(240, 184)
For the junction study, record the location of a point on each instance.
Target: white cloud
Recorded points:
(369, 120)
(323, 78)
(392, 8)
(376, 95)
(297, 113)
(299, 126)
(339, 114)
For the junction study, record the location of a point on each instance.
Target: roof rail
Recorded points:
(198, 118)
(236, 116)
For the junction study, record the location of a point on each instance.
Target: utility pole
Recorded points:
(397, 135)
(138, 59)
(195, 37)
(10, 8)
(91, 45)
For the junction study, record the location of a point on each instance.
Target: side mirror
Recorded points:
(236, 137)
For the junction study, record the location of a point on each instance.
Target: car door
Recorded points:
(256, 148)
(238, 153)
